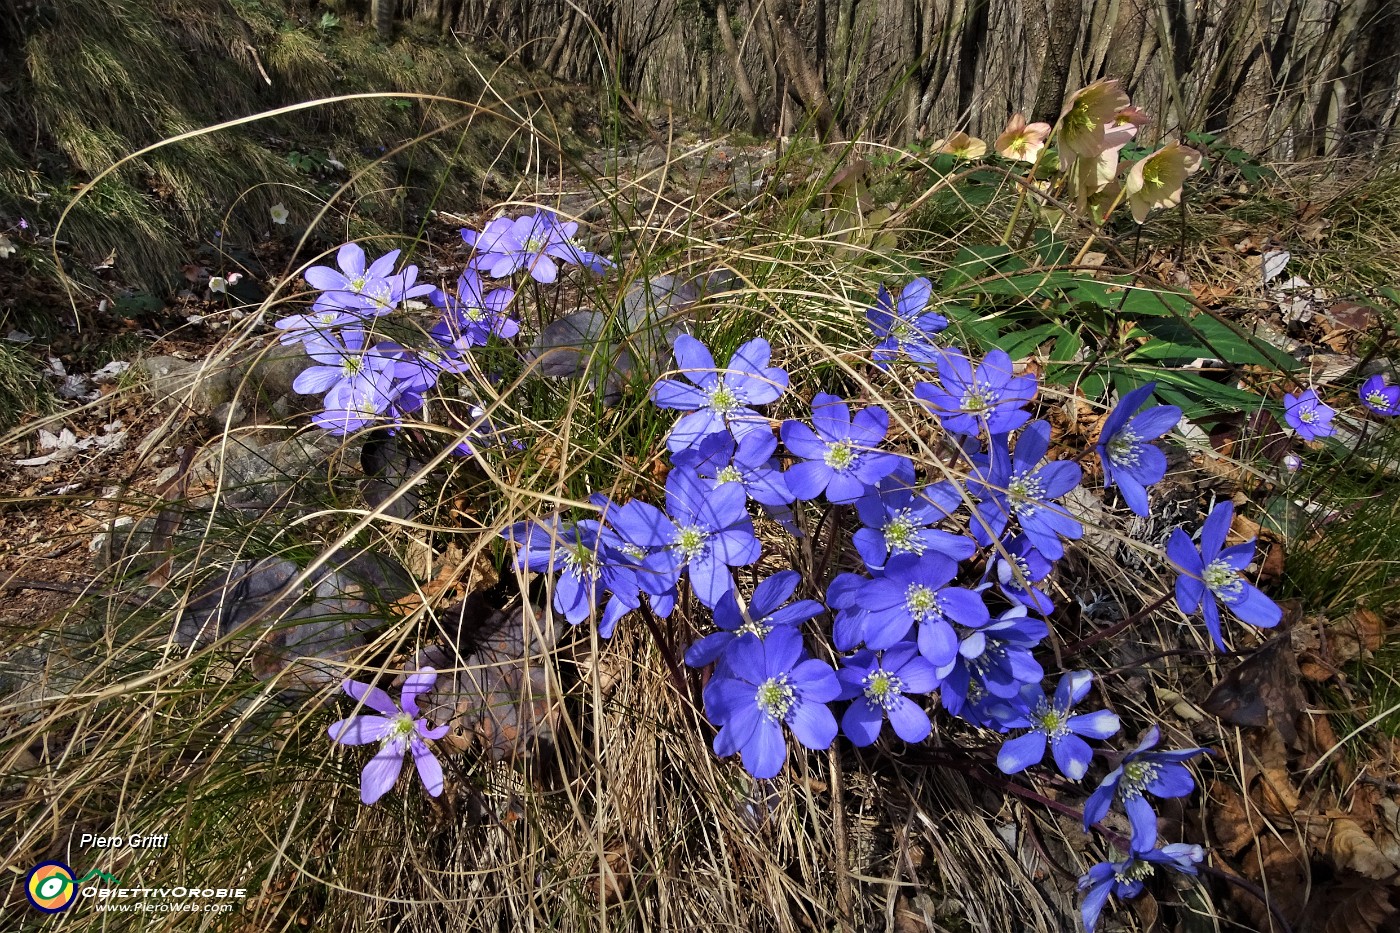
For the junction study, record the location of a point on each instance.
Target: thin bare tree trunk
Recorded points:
(801, 73)
(736, 62)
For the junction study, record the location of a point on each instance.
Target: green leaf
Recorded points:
(1199, 397)
(1178, 340)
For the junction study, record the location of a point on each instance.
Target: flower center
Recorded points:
(839, 456)
(1377, 399)
(534, 244)
(1134, 870)
(1136, 775)
(901, 331)
(352, 366)
(691, 542)
(474, 313)
(978, 398)
(1053, 722)
(1023, 488)
(902, 534)
(399, 729)
(581, 561)
(724, 399)
(729, 474)
(1308, 416)
(922, 603)
(358, 284)
(1223, 580)
(882, 688)
(1124, 448)
(775, 697)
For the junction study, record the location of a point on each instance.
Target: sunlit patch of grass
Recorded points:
(24, 391)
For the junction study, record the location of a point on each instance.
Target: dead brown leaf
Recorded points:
(1349, 847)
(1261, 690)
(1364, 908)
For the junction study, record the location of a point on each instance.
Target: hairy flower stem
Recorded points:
(1075, 648)
(677, 677)
(845, 893)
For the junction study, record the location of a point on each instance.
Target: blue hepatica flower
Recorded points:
(343, 358)
(878, 688)
(840, 457)
(1128, 460)
(764, 613)
(905, 330)
(1141, 772)
(1051, 724)
(586, 564)
(373, 289)
(535, 242)
(705, 532)
(1214, 573)
(1125, 879)
(1306, 414)
(1020, 485)
(1019, 571)
(749, 463)
(914, 594)
(972, 399)
(473, 315)
(996, 661)
(1380, 398)
(399, 732)
(898, 519)
(765, 685)
(719, 400)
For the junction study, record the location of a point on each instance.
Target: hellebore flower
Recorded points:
(1157, 180)
(1141, 771)
(1125, 879)
(533, 242)
(1021, 485)
(1090, 112)
(973, 398)
(1308, 415)
(764, 612)
(914, 591)
(765, 685)
(1379, 397)
(1213, 572)
(878, 687)
(1128, 459)
(1020, 140)
(898, 520)
(1052, 724)
(398, 731)
(903, 327)
(840, 457)
(705, 532)
(961, 145)
(473, 315)
(719, 400)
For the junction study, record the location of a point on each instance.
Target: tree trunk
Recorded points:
(1062, 32)
(736, 62)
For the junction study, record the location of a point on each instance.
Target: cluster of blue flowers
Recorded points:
(366, 382)
(921, 617)
(952, 595)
